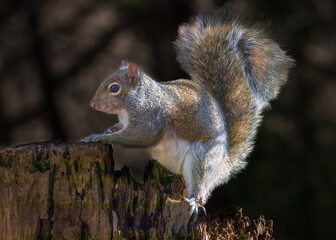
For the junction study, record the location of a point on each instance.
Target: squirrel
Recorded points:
(202, 128)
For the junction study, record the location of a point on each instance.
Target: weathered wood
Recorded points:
(71, 191)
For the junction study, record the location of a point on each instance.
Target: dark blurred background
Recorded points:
(53, 55)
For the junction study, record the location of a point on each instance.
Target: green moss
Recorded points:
(107, 205)
(6, 163)
(41, 163)
(155, 171)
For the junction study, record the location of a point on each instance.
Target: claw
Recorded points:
(194, 209)
(203, 209)
(86, 140)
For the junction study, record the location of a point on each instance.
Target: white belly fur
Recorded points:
(172, 152)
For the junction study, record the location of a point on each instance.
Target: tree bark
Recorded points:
(71, 191)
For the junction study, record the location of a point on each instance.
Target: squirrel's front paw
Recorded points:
(194, 209)
(92, 138)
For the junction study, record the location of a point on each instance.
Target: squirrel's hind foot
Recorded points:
(195, 208)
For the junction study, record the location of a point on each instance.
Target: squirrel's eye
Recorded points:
(114, 88)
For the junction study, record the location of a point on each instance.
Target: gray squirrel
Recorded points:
(202, 128)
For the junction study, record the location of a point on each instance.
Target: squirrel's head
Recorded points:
(110, 95)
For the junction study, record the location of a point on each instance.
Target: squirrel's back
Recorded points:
(239, 65)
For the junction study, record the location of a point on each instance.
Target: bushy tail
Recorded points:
(240, 66)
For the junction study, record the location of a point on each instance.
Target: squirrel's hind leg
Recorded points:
(204, 168)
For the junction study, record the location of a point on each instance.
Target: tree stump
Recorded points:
(70, 191)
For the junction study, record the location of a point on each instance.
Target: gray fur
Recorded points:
(204, 128)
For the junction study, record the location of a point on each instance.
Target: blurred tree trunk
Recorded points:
(71, 191)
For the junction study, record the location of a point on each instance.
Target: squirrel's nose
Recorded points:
(93, 104)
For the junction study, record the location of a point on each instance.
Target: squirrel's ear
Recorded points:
(123, 65)
(133, 73)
